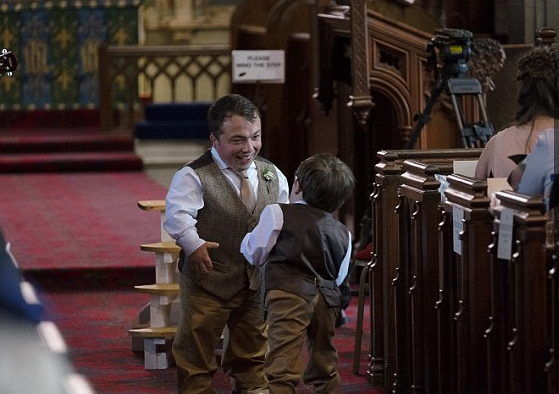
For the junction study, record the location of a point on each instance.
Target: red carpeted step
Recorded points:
(66, 150)
(67, 162)
(63, 143)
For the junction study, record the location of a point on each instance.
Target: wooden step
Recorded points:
(156, 206)
(60, 142)
(152, 205)
(70, 162)
(154, 332)
(162, 296)
(157, 345)
(166, 257)
(161, 247)
(159, 288)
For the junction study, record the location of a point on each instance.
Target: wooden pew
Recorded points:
(552, 365)
(464, 286)
(518, 334)
(390, 357)
(454, 317)
(419, 217)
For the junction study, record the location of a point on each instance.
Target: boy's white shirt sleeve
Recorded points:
(257, 244)
(344, 267)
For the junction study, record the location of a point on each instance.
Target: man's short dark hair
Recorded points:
(227, 106)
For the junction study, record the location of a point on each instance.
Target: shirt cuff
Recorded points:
(190, 242)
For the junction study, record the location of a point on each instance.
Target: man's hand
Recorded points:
(200, 260)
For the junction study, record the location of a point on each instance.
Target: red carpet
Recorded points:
(79, 220)
(95, 324)
(77, 237)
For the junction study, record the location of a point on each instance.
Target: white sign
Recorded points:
(465, 167)
(258, 66)
(457, 229)
(504, 249)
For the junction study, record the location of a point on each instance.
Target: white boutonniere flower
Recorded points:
(268, 175)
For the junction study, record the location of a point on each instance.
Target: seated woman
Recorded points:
(538, 95)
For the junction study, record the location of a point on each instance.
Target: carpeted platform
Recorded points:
(79, 220)
(66, 150)
(56, 141)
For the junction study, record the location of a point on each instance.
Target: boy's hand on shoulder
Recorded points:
(200, 261)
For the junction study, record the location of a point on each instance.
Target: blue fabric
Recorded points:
(174, 121)
(194, 129)
(176, 112)
(11, 298)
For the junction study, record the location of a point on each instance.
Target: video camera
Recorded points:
(454, 50)
(450, 52)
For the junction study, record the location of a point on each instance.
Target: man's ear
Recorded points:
(213, 140)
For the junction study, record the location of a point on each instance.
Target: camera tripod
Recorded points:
(454, 49)
(473, 134)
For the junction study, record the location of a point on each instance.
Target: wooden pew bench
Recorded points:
(454, 316)
(389, 361)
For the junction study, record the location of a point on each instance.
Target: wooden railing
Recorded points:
(129, 76)
(456, 316)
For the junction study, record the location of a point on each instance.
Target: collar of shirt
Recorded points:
(232, 176)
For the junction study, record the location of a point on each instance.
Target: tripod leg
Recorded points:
(424, 117)
(459, 118)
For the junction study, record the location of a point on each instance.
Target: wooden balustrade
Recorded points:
(455, 316)
(170, 73)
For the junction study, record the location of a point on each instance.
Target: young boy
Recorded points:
(304, 254)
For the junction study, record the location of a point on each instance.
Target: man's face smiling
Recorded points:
(239, 142)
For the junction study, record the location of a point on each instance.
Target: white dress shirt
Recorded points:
(185, 198)
(257, 244)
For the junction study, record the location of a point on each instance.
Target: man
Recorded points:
(209, 208)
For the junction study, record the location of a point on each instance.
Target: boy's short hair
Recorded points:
(327, 181)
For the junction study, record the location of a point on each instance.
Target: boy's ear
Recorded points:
(297, 188)
(296, 193)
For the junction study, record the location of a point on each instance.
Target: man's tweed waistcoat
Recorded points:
(307, 256)
(225, 219)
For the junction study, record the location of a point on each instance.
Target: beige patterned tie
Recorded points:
(247, 192)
